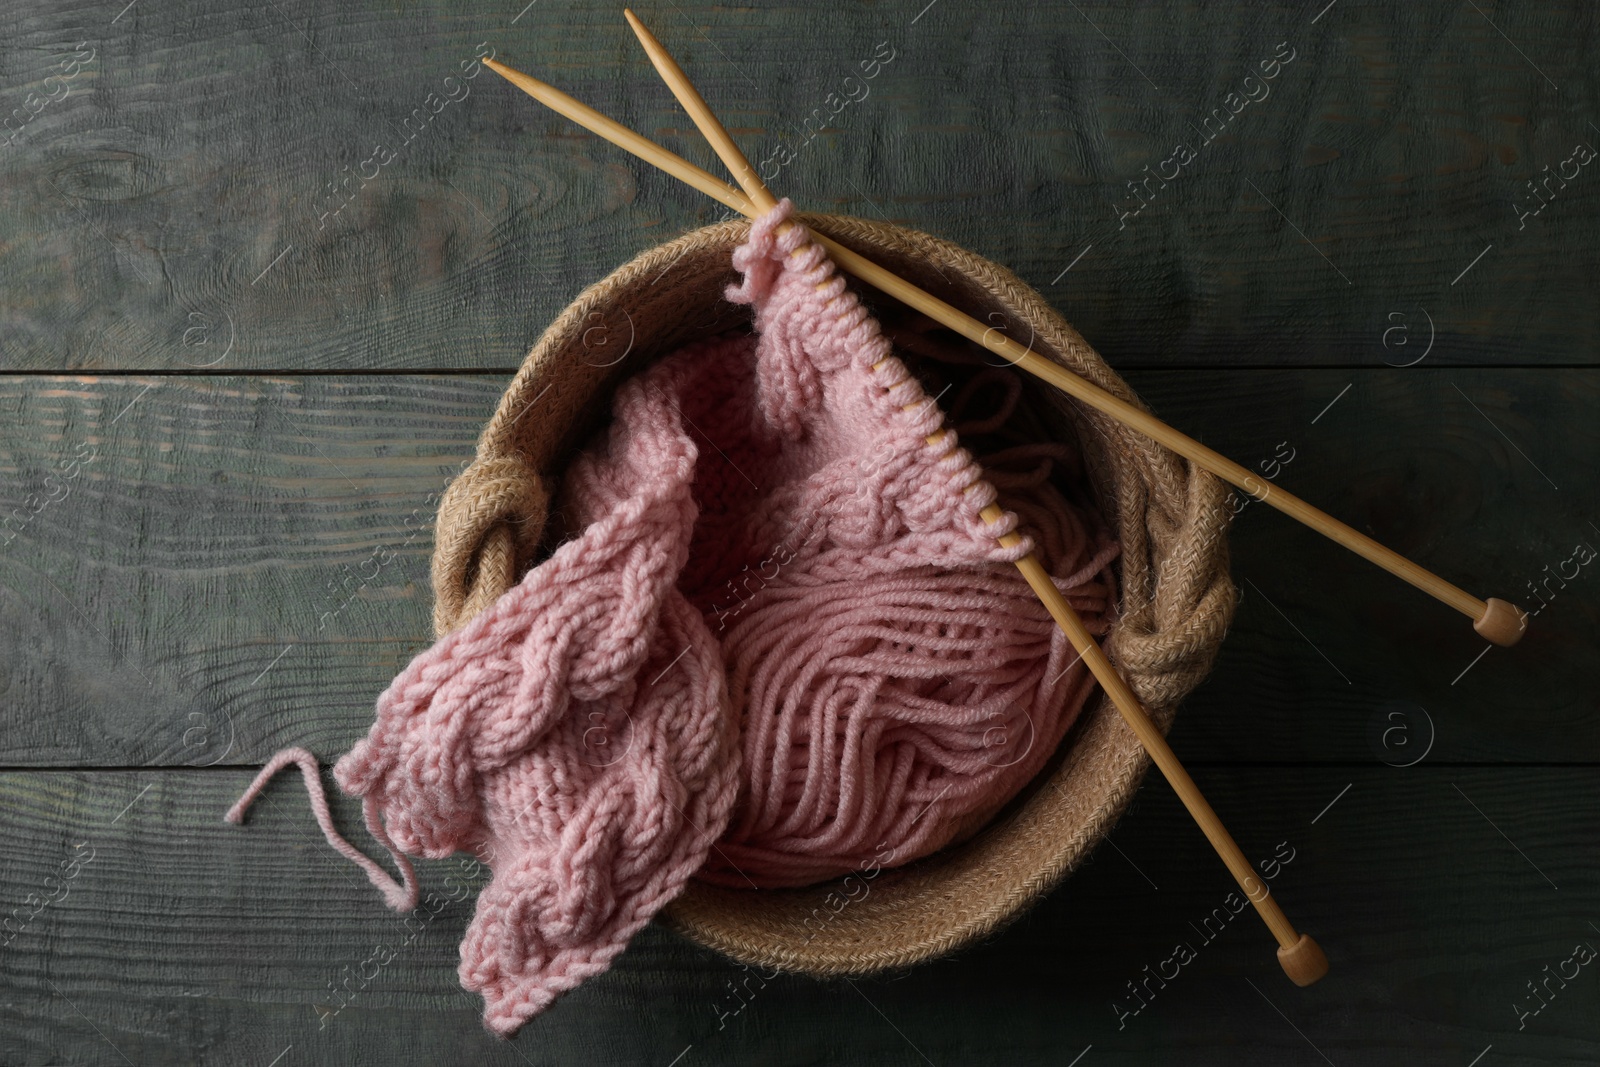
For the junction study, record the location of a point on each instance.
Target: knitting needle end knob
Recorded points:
(1502, 623)
(1303, 961)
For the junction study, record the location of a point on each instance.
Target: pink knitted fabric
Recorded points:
(618, 721)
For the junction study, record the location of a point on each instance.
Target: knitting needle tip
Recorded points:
(527, 83)
(657, 51)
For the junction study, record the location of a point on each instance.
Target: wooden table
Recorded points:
(267, 268)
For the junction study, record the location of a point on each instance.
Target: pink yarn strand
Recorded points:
(400, 897)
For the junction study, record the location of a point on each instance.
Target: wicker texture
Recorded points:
(1177, 597)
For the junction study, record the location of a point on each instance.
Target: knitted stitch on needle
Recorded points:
(598, 729)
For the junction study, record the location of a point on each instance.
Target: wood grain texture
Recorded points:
(188, 940)
(144, 611)
(243, 562)
(265, 272)
(187, 195)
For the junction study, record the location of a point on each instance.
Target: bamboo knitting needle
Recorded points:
(1496, 620)
(1300, 956)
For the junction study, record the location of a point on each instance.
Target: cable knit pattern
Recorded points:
(603, 725)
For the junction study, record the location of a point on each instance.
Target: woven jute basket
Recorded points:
(1177, 599)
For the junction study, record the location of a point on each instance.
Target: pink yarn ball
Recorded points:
(888, 702)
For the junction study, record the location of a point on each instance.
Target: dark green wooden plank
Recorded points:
(231, 549)
(211, 584)
(186, 940)
(175, 203)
